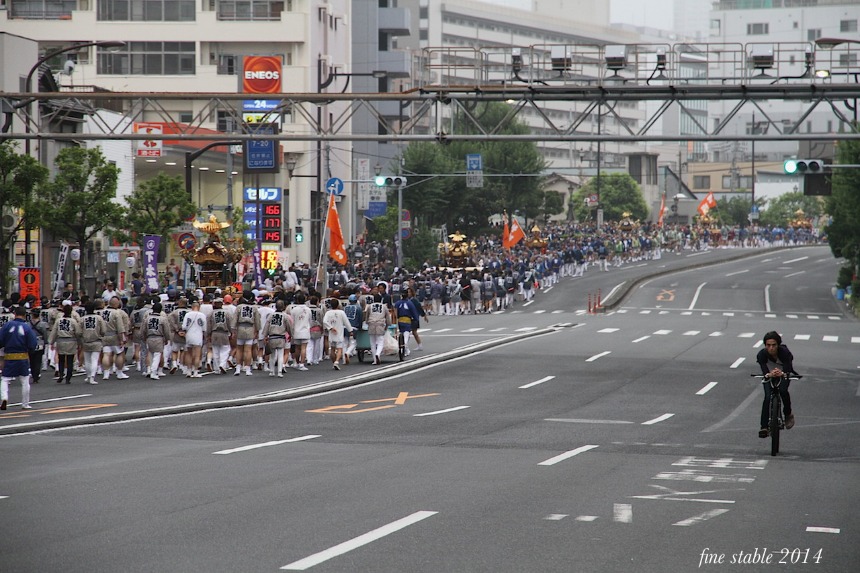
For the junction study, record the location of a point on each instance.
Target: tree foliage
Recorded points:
(79, 202)
(157, 206)
(782, 210)
(619, 194)
(21, 177)
(843, 205)
(443, 199)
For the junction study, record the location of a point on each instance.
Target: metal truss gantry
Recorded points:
(428, 112)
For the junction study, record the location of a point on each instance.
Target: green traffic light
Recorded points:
(380, 181)
(299, 237)
(790, 166)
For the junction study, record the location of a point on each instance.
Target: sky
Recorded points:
(652, 13)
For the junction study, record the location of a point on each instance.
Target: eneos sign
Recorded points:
(261, 75)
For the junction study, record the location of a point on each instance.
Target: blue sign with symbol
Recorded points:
(260, 104)
(474, 162)
(334, 185)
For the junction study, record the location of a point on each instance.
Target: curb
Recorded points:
(277, 396)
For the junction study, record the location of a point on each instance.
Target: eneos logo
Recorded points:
(261, 75)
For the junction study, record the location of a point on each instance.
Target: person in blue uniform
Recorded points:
(407, 315)
(18, 339)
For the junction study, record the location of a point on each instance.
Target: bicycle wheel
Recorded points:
(774, 423)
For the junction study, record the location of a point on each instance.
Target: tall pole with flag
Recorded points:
(336, 244)
(662, 209)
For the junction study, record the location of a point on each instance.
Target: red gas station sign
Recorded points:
(261, 74)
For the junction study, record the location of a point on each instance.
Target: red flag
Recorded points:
(514, 236)
(662, 211)
(708, 203)
(336, 246)
(505, 233)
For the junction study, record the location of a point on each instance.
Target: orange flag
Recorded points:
(336, 246)
(708, 203)
(662, 211)
(514, 235)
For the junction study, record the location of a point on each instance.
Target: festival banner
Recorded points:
(337, 247)
(150, 262)
(61, 270)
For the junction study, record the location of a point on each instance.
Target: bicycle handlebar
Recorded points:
(790, 376)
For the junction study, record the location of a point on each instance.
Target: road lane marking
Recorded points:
(622, 512)
(596, 356)
(696, 296)
(357, 542)
(716, 333)
(608, 330)
(473, 329)
(641, 338)
(830, 338)
(823, 529)
(526, 329)
(746, 334)
(586, 421)
(788, 276)
(657, 420)
(540, 311)
(738, 273)
(855, 340)
(794, 260)
(265, 445)
(569, 454)
(528, 303)
(441, 411)
(442, 330)
(586, 518)
(56, 399)
(701, 517)
(767, 298)
(706, 388)
(758, 344)
(662, 332)
(555, 516)
(737, 362)
(756, 394)
(536, 382)
(813, 317)
(692, 332)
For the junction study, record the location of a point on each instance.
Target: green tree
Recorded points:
(448, 200)
(734, 211)
(79, 202)
(418, 248)
(619, 193)
(21, 177)
(157, 206)
(782, 210)
(843, 205)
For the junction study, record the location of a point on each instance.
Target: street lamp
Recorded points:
(28, 87)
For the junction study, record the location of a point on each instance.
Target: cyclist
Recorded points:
(775, 360)
(407, 315)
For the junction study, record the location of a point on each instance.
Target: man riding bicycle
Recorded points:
(775, 360)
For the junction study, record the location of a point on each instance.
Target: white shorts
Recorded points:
(245, 341)
(112, 349)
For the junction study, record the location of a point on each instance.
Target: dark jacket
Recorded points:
(784, 354)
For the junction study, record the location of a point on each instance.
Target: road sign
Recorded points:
(474, 170)
(261, 155)
(405, 215)
(29, 283)
(406, 233)
(334, 185)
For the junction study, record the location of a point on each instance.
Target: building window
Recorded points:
(145, 11)
(149, 59)
(252, 10)
(228, 65)
(848, 60)
(848, 26)
(744, 182)
(43, 9)
(701, 181)
(758, 29)
(813, 34)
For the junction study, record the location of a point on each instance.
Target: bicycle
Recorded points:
(776, 422)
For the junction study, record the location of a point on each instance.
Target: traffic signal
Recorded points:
(802, 166)
(390, 181)
(300, 236)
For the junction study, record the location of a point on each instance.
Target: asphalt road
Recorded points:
(623, 441)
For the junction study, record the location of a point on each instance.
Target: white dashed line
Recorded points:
(823, 529)
(555, 516)
(536, 382)
(830, 338)
(657, 419)
(586, 518)
(746, 334)
(662, 332)
(641, 338)
(561, 457)
(622, 513)
(801, 337)
(737, 362)
(596, 356)
(608, 330)
(706, 388)
(700, 518)
(440, 411)
(692, 332)
(265, 445)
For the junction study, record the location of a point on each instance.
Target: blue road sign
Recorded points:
(474, 162)
(334, 185)
(261, 156)
(376, 209)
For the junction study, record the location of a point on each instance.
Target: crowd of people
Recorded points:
(297, 316)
